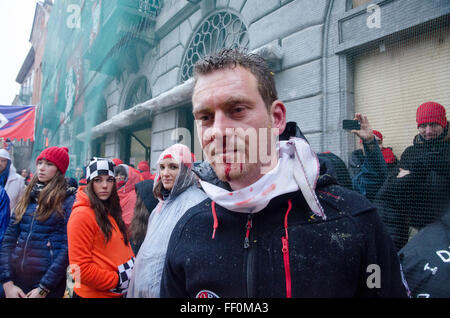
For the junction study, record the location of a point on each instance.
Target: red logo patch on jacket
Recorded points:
(206, 294)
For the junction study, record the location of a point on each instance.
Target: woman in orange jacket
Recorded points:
(100, 256)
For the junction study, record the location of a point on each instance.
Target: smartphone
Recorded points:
(348, 124)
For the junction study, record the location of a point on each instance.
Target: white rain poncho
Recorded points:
(146, 277)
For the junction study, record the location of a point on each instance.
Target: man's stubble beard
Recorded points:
(245, 164)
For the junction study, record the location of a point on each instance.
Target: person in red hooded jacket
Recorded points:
(126, 178)
(144, 169)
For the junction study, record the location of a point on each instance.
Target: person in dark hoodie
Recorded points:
(281, 231)
(419, 193)
(426, 260)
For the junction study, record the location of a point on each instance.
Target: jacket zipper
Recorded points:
(28, 238)
(248, 226)
(250, 258)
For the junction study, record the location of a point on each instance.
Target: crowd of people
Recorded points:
(292, 224)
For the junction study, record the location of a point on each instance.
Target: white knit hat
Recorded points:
(5, 154)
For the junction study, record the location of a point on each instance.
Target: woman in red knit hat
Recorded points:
(33, 257)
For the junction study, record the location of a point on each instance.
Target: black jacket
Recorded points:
(425, 260)
(327, 258)
(335, 166)
(144, 190)
(421, 197)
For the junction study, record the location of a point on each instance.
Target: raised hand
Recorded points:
(366, 132)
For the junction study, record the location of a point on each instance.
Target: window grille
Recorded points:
(220, 30)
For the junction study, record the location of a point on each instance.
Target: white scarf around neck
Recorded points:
(297, 168)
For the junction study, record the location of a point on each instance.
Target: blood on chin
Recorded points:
(230, 171)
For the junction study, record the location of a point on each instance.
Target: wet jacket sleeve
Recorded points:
(81, 231)
(4, 213)
(394, 201)
(8, 245)
(373, 171)
(57, 270)
(383, 275)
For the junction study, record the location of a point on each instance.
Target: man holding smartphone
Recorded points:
(367, 166)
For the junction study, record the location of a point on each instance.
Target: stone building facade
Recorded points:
(310, 44)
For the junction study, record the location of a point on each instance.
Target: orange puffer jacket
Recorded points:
(94, 261)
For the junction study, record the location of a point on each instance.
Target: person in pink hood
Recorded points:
(126, 178)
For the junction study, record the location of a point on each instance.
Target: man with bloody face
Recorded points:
(282, 230)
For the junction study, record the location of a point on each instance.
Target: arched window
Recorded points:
(138, 93)
(222, 29)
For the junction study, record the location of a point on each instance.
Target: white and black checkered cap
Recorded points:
(99, 166)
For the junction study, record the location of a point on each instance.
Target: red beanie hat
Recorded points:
(431, 112)
(59, 156)
(117, 161)
(378, 134)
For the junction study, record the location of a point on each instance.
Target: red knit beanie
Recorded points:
(59, 156)
(431, 112)
(378, 134)
(117, 161)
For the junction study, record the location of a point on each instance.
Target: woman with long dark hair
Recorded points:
(145, 203)
(99, 250)
(33, 257)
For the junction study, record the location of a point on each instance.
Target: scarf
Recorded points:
(297, 169)
(120, 184)
(39, 186)
(36, 191)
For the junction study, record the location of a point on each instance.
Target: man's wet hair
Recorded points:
(230, 58)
